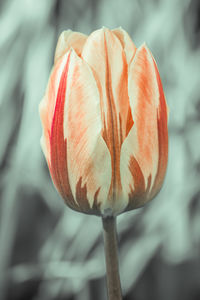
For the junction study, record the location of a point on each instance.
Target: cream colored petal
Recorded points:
(89, 162)
(104, 53)
(69, 39)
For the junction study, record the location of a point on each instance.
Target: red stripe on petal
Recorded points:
(59, 169)
(138, 195)
(139, 184)
(129, 121)
(82, 199)
(112, 137)
(47, 107)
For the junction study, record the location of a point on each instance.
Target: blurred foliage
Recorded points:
(47, 251)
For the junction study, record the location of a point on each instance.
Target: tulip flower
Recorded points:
(104, 118)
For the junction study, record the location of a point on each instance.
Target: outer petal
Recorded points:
(47, 105)
(127, 43)
(69, 39)
(88, 158)
(58, 144)
(144, 152)
(104, 53)
(162, 114)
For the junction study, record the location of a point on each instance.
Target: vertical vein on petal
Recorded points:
(104, 53)
(112, 140)
(139, 194)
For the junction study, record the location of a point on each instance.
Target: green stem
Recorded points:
(111, 255)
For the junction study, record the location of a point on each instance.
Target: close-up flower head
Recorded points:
(104, 118)
(99, 150)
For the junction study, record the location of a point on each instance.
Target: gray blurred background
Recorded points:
(49, 252)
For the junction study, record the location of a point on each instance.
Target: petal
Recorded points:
(127, 43)
(58, 144)
(47, 105)
(162, 120)
(101, 51)
(88, 158)
(69, 39)
(142, 146)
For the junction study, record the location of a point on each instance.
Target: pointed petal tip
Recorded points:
(74, 55)
(143, 46)
(72, 51)
(145, 52)
(126, 42)
(68, 39)
(148, 51)
(64, 34)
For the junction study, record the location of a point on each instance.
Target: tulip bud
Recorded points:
(104, 120)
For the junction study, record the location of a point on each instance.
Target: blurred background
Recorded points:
(48, 251)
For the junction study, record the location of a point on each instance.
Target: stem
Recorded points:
(111, 255)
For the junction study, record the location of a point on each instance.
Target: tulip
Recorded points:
(104, 118)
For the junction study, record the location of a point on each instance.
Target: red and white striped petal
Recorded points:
(69, 39)
(105, 55)
(58, 144)
(88, 158)
(47, 105)
(141, 151)
(127, 43)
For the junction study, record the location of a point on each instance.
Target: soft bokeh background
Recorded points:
(49, 252)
